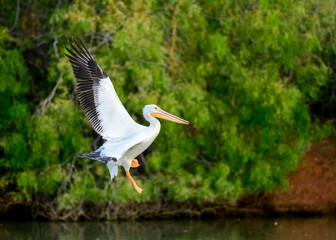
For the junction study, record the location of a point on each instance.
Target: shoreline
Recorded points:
(311, 192)
(149, 210)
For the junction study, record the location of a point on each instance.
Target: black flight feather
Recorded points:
(88, 75)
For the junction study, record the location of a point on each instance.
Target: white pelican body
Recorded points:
(125, 139)
(126, 149)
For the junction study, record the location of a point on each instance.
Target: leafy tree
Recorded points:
(255, 79)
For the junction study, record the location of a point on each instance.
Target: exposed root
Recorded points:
(48, 209)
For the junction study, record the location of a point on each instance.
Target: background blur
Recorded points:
(256, 80)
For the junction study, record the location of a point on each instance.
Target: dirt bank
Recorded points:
(312, 187)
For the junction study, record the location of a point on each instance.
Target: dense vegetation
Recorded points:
(256, 79)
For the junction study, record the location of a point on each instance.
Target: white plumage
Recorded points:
(115, 120)
(125, 139)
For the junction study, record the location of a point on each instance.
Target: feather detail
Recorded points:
(97, 96)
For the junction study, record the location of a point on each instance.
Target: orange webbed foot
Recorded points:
(135, 163)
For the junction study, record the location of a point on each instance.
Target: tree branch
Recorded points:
(16, 15)
(45, 104)
(55, 46)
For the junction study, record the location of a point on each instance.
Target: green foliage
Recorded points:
(27, 183)
(255, 79)
(324, 130)
(82, 189)
(50, 179)
(14, 86)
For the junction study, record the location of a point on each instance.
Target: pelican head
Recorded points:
(155, 111)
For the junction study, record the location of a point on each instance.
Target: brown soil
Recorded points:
(312, 187)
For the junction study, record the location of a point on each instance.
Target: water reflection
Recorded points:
(233, 229)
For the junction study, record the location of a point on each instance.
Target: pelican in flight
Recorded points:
(125, 139)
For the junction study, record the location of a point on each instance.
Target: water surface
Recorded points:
(233, 229)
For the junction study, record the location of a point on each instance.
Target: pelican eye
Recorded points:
(155, 108)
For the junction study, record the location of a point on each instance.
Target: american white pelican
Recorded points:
(125, 139)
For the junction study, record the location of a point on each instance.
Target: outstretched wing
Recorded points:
(97, 96)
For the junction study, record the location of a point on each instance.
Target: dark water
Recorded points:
(233, 229)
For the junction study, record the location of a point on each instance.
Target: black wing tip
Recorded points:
(78, 49)
(88, 74)
(74, 39)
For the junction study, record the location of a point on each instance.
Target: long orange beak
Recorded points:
(170, 117)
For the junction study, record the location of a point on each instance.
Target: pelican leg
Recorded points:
(137, 188)
(135, 163)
